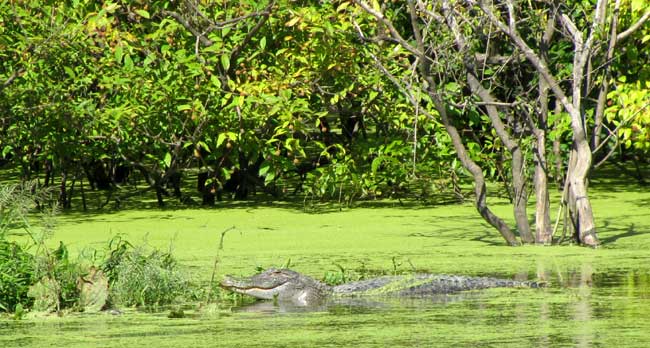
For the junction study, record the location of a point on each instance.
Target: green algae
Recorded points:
(595, 298)
(494, 318)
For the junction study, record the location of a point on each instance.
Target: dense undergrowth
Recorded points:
(35, 277)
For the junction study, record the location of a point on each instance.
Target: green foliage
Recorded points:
(630, 114)
(130, 84)
(285, 92)
(17, 201)
(628, 103)
(33, 273)
(140, 277)
(56, 267)
(37, 277)
(17, 273)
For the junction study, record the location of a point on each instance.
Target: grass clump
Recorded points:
(34, 277)
(139, 276)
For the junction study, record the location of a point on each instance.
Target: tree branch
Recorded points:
(529, 53)
(634, 27)
(11, 78)
(238, 49)
(204, 40)
(201, 36)
(391, 28)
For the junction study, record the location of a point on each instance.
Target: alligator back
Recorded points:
(425, 284)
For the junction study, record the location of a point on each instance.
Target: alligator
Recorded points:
(285, 285)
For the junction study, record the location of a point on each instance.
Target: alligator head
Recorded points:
(279, 284)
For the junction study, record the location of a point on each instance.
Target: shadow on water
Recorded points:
(630, 232)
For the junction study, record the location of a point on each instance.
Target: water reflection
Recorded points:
(582, 311)
(360, 304)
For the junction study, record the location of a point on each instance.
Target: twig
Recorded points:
(216, 261)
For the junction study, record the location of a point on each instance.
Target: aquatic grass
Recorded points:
(146, 278)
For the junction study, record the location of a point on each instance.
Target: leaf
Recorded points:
(118, 53)
(375, 6)
(69, 71)
(452, 87)
(372, 95)
(263, 42)
(264, 169)
(183, 107)
(143, 13)
(128, 62)
(645, 38)
(225, 61)
(292, 21)
(168, 159)
(342, 6)
(221, 138)
(7, 150)
(149, 59)
(215, 81)
(110, 8)
(269, 178)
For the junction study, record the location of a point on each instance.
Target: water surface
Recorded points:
(579, 309)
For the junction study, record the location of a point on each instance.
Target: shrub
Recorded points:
(16, 276)
(45, 277)
(139, 277)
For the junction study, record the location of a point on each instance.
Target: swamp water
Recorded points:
(596, 298)
(586, 310)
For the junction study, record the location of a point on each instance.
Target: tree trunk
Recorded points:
(520, 196)
(63, 193)
(479, 180)
(557, 153)
(582, 217)
(543, 229)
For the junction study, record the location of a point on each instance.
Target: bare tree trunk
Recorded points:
(520, 196)
(543, 228)
(557, 153)
(479, 180)
(581, 213)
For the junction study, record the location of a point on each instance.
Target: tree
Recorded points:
(487, 37)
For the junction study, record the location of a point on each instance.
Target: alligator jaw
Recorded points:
(257, 292)
(266, 286)
(279, 284)
(247, 288)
